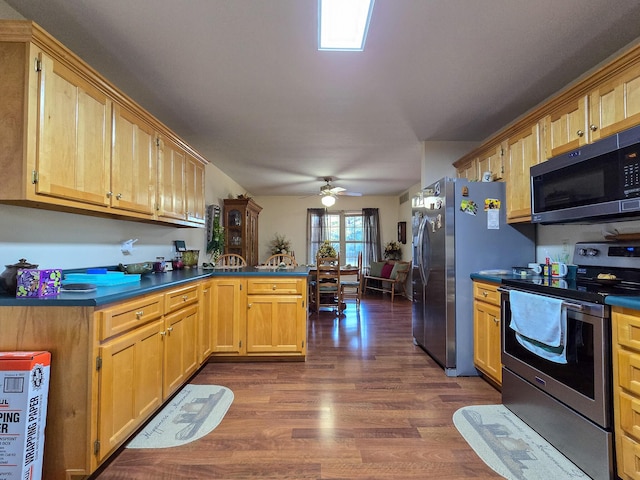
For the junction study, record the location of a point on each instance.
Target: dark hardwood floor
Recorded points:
(367, 403)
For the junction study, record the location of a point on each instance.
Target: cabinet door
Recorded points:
(273, 324)
(468, 171)
(523, 152)
(180, 348)
(615, 104)
(486, 340)
(205, 323)
(171, 170)
(195, 191)
(566, 128)
(130, 384)
(133, 163)
(228, 316)
(74, 133)
(492, 160)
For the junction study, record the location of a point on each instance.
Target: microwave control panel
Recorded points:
(631, 174)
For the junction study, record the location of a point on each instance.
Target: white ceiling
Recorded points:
(243, 82)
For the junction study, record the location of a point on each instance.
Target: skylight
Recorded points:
(343, 24)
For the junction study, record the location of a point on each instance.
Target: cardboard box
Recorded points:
(38, 283)
(24, 390)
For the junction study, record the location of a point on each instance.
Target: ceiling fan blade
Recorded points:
(336, 190)
(349, 194)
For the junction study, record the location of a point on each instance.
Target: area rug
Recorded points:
(194, 412)
(510, 447)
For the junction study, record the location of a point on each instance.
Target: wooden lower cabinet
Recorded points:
(228, 316)
(626, 390)
(180, 348)
(130, 384)
(487, 344)
(259, 316)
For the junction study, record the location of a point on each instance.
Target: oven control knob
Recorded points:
(592, 252)
(582, 252)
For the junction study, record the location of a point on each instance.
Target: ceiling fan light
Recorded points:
(328, 200)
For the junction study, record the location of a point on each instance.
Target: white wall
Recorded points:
(287, 215)
(438, 158)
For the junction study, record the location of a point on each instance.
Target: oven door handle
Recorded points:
(575, 306)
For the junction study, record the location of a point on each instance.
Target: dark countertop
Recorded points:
(632, 302)
(149, 283)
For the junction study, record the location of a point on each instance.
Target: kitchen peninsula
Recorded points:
(119, 353)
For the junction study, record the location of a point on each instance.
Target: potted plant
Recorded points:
(280, 244)
(216, 244)
(392, 251)
(327, 250)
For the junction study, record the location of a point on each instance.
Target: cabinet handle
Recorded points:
(109, 194)
(495, 320)
(274, 287)
(593, 127)
(185, 298)
(139, 314)
(163, 333)
(118, 196)
(580, 133)
(249, 305)
(484, 293)
(169, 330)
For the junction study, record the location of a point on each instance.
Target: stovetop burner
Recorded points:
(620, 260)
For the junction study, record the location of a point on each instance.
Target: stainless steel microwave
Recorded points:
(599, 182)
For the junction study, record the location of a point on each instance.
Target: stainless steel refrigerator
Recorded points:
(459, 227)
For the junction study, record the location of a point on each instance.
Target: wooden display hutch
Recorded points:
(241, 225)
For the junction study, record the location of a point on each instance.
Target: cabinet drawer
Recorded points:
(486, 292)
(127, 315)
(629, 452)
(629, 409)
(276, 286)
(628, 329)
(629, 371)
(180, 297)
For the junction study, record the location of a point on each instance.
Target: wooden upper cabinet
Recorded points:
(492, 160)
(523, 152)
(194, 190)
(615, 104)
(171, 181)
(74, 132)
(134, 163)
(566, 128)
(468, 170)
(72, 141)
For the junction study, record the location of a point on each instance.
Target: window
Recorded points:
(345, 232)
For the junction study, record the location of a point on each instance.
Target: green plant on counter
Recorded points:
(215, 247)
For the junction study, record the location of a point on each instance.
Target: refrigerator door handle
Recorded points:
(424, 274)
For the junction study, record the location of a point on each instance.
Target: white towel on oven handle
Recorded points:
(537, 317)
(537, 323)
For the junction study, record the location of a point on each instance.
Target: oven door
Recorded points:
(584, 382)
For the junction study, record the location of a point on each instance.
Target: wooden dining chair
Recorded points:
(351, 288)
(231, 260)
(328, 289)
(281, 258)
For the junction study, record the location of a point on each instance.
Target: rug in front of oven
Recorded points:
(194, 412)
(510, 447)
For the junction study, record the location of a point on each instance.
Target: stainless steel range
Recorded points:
(568, 399)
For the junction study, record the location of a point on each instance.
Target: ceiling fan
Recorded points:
(329, 192)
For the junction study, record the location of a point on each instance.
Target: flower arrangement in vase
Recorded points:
(392, 251)
(279, 244)
(327, 250)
